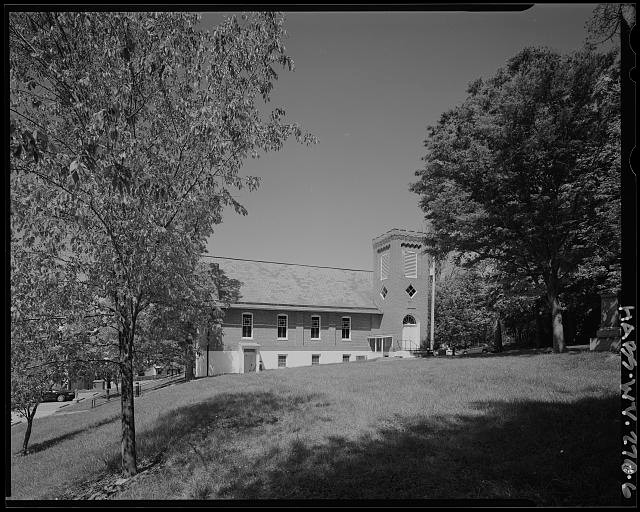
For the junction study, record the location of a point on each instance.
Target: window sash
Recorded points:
(346, 328)
(247, 325)
(283, 326)
(315, 327)
(282, 361)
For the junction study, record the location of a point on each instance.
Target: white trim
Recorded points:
(227, 361)
(286, 327)
(242, 326)
(342, 328)
(375, 345)
(302, 307)
(319, 328)
(246, 344)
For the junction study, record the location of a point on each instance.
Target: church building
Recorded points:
(300, 315)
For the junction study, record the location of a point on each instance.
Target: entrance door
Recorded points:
(249, 360)
(410, 333)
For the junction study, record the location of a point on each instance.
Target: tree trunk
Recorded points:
(569, 324)
(188, 360)
(540, 335)
(128, 444)
(27, 434)
(556, 320)
(497, 336)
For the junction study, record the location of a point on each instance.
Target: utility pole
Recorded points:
(432, 272)
(207, 358)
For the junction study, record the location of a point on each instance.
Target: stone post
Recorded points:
(608, 335)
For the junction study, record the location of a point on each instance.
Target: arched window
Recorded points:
(408, 320)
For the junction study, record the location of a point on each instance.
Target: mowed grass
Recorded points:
(543, 427)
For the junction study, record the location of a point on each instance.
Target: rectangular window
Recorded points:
(346, 358)
(361, 358)
(315, 327)
(282, 327)
(410, 263)
(384, 265)
(247, 325)
(282, 360)
(346, 328)
(315, 359)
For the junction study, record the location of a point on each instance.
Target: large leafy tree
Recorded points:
(609, 21)
(131, 129)
(47, 313)
(172, 330)
(525, 173)
(461, 316)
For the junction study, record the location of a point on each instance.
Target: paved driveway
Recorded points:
(48, 408)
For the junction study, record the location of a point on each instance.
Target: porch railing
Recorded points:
(410, 345)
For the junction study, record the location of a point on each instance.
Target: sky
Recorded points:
(367, 85)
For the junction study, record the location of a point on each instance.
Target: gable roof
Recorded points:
(271, 285)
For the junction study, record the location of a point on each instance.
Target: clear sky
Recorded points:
(367, 85)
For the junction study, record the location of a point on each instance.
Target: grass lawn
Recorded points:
(544, 427)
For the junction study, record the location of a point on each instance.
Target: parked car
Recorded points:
(58, 395)
(476, 349)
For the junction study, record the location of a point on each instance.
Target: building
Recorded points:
(300, 315)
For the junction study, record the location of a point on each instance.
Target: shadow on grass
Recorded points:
(528, 352)
(229, 411)
(38, 447)
(546, 452)
(525, 352)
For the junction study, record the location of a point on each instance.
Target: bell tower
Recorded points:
(401, 286)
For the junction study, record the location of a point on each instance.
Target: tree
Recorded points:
(28, 384)
(135, 127)
(172, 330)
(609, 20)
(517, 174)
(43, 301)
(497, 335)
(461, 315)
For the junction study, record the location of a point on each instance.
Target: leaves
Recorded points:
(519, 175)
(125, 161)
